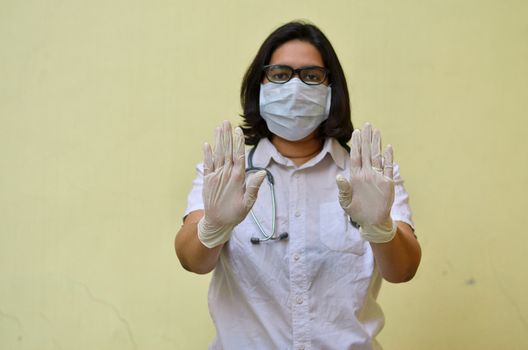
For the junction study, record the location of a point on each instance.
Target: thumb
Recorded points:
(253, 184)
(345, 190)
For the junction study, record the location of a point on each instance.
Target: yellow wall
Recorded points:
(104, 106)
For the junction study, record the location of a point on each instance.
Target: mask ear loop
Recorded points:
(328, 101)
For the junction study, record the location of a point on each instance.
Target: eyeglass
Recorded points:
(280, 74)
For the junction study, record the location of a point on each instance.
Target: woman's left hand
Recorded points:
(368, 194)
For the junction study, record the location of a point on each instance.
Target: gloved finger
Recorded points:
(207, 159)
(345, 190)
(355, 152)
(253, 184)
(218, 154)
(366, 140)
(239, 158)
(239, 154)
(388, 165)
(375, 150)
(227, 142)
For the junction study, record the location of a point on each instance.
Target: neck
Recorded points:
(299, 152)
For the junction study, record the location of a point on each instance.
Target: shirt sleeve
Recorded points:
(401, 210)
(194, 199)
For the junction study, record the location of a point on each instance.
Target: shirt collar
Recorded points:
(265, 151)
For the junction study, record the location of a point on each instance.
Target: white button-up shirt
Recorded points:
(315, 290)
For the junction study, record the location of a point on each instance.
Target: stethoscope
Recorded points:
(270, 236)
(265, 236)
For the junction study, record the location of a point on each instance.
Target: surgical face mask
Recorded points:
(294, 110)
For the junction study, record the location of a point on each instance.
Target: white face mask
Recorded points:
(294, 110)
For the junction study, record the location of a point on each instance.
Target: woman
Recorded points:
(304, 269)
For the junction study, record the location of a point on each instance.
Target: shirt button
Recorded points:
(299, 300)
(297, 213)
(296, 176)
(301, 347)
(296, 257)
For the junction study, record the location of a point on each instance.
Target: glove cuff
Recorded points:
(212, 236)
(379, 233)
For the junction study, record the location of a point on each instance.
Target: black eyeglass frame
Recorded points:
(296, 71)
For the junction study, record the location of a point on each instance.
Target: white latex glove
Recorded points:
(227, 199)
(368, 195)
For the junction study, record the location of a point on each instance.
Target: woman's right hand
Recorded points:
(227, 196)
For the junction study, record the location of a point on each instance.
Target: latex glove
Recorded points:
(368, 195)
(227, 199)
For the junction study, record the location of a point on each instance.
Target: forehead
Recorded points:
(297, 53)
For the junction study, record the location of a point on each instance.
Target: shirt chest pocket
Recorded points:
(336, 232)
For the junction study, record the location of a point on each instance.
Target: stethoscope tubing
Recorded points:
(267, 236)
(271, 183)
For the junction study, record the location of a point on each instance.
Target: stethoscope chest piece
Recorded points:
(281, 237)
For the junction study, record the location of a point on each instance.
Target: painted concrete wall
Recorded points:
(104, 106)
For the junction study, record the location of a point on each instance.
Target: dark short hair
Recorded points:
(338, 125)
